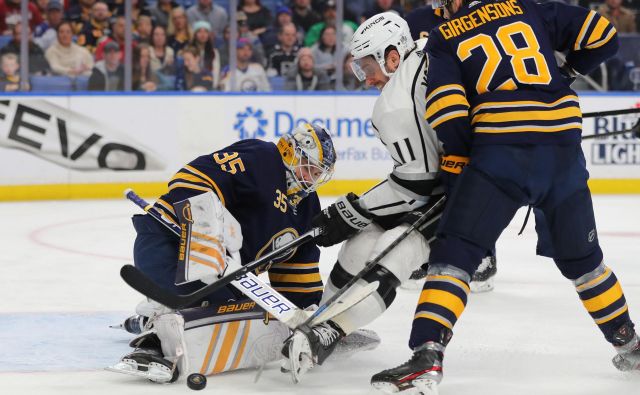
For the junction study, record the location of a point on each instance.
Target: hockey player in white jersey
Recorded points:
(385, 56)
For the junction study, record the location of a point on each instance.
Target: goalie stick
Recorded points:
(245, 281)
(611, 112)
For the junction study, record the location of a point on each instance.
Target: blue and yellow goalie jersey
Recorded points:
(493, 77)
(249, 177)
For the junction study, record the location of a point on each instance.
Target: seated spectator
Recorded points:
(66, 57)
(329, 18)
(138, 7)
(209, 56)
(108, 74)
(179, 30)
(162, 56)
(258, 17)
(324, 51)
(270, 37)
(10, 15)
(143, 29)
(45, 33)
(161, 12)
(381, 6)
(303, 15)
(249, 76)
(284, 54)
(79, 13)
(117, 37)
(206, 10)
(306, 77)
(10, 78)
(349, 81)
(96, 28)
(191, 77)
(244, 32)
(37, 62)
(622, 18)
(142, 76)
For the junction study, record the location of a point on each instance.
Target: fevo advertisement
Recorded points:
(96, 141)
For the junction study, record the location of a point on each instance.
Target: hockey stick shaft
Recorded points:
(635, 130)
(141, 283)
(427, 216)
(611, 112)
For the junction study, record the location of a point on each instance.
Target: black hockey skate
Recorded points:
(147, 361)
(483, 277)
(627, 344)
(136, 324)
(307, 348)
(423, 372)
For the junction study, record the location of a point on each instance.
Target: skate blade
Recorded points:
(426, 386)
(481, 286)
(154, 373)
(117, 326)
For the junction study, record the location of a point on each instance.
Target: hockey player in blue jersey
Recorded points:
(510, 127)
(269, 191)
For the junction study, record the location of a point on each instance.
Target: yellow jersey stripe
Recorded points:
(212, 344)
(598, 280)
(177, 185)
(211, 182)
(434, 317)
(447, 117)
(294, 278)
(596, 34)
(528, 128)
(299, 289)
(295, 265)
(227, 343)
(444, 102)
(603, 41)
(444, 88)
(524, 103)
(451, 279)
(443, 298)
(243, 343)
(526, 116)
(189, 178)
(604, 299)
(583, 30)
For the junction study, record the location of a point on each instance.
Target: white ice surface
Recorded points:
(60, 289)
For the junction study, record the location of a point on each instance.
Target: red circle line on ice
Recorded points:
(38, 236)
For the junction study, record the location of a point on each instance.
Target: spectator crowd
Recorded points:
(184, 44)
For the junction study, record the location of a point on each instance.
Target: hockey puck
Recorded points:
(196, 381)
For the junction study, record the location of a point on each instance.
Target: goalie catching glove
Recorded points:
(341, 220)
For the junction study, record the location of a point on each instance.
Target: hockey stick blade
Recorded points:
(346, 301)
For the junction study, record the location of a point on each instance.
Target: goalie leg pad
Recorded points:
(406, 257)
(374, 305)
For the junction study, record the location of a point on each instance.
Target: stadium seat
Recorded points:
(4, 40)
(277, 83)
(50, 83)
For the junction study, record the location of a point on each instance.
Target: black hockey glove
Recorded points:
(568, 73)
(340, 221)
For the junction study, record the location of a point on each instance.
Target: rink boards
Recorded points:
(80, 146)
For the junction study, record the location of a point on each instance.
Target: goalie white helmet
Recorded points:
(374, 36)
(309, 156)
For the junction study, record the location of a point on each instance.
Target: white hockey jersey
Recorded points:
(398, 120)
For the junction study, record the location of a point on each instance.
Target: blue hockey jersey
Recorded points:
(422, 19)
(249, 178)
(493, 77)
